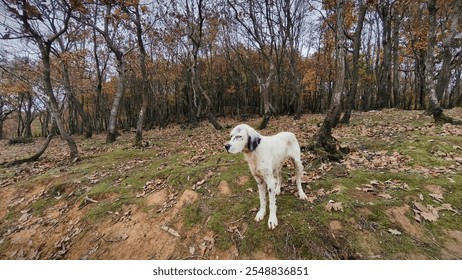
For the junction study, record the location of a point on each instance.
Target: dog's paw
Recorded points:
(260, 215)
(278, 190)
(272, 222)
(302, 196)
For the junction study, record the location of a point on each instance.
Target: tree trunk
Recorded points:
(444, 75)
(2, 116)
(144, 94)
(28, 121)
(34, 157)
(397, 99)
(195, 38)
(112, 133)
(351, 95)
(198, 88)
(70, 95)
(54, 107)
(264, 90)
(136, 19)
(100, 114)
(325, 144)
(264, 85)
(384, 78)
(191, 104)
(435, 108)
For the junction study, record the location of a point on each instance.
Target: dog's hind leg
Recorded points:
(278, 180)
(299, 172)
(271, 184)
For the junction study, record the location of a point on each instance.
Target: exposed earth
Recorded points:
(396, 195)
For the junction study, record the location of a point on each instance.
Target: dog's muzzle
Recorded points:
(227, 146)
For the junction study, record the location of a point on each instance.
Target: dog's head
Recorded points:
(243, 138)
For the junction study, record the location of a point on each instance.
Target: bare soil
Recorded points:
(44, 206)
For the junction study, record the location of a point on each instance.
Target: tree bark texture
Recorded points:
(112, 133)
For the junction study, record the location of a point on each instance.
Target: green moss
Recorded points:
(39, 206)
(304, 230)
(12, 214)
(105, 208)
(424, 150)
(224, 241)
(192, 215)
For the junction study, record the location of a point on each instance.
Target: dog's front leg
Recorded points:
(271, 184)
(262, 194)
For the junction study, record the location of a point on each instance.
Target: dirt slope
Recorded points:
(396, 195)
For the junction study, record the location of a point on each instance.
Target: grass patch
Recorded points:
(192, 215)
(115, 174)
(422, 152)
(39, 206)
(105, 208)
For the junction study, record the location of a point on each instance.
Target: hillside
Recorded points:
(396, 195)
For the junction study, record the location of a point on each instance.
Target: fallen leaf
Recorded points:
(321, 192)
(420, 207)
(201, 182)
(335, 189)
(366, 188)
(427, 212)
(437, 196)
(429, 216)
(170, 230)
(209, 239)
(394, 231)
(24, 217)
(375, 182)
(123, 236)
(385, 195)
(311, 198)
(334, 206)
(203, 247)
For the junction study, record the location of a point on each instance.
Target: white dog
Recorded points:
(266, 155)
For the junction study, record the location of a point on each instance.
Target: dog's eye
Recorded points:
(238, 137)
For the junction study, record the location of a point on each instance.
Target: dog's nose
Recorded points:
(227, 146)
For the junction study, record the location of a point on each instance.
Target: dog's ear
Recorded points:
(254, 139)
(253, 143)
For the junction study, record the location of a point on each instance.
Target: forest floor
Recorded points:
(396, 195)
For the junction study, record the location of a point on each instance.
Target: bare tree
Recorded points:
(257, 18)
(66, 80)
(324, 142)
(356, 38)
(291, 25)
(135, 16)
(384, 10)
(43, 25)
(195, 10)
(115, 45)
